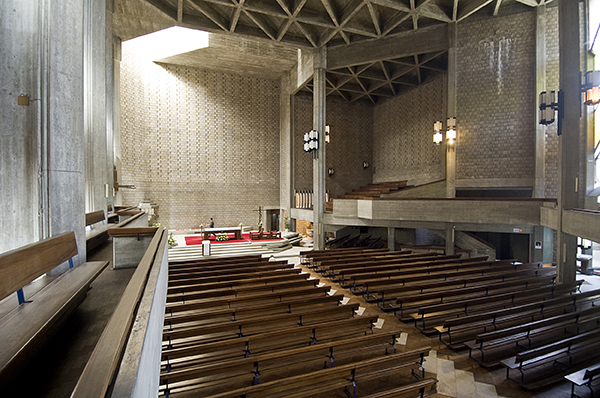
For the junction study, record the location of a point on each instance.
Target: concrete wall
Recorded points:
(198, 143)
(43, 144)
(402, 135)
(351, 143)
(496, 101)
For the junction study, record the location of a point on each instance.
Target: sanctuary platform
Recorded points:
(189, 243)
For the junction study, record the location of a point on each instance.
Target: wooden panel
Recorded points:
(21, 266)
(94, 217)
(102, 365)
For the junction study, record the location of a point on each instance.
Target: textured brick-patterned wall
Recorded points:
(351, 144)
(402, 135)
(496, 98)
(552, 84)
(198, 143)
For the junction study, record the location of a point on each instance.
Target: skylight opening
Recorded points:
(169, 42)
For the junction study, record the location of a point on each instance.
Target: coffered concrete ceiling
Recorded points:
(358, 34)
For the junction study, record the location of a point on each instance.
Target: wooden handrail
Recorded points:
(101, 368)
(94, 217)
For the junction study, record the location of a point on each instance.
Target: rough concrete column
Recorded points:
(569, 148)
(536, 254)
(540, 85)
(19, 127)
(319, 106)
(391, 238)
(451, 149)
(62, 85)
(286, 163)
(449, 239)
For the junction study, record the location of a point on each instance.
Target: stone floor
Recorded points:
(55, 371)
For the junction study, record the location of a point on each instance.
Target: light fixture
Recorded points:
(591, 88)
(438, 136)
(451, 131)
(366, 165)
(330, 171)
(327, 136)
(548, 105)
(311, 141)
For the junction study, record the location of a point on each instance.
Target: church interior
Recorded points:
(300, 198)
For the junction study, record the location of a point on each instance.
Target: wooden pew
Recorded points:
(407, 303)
(584, 377)
(430, 284)
(186, 295)
(98, 229)
(260, 343)
(260, 267)
(535, 368)
(506, 342)
(455, 330)
(315, 305)
(341, 377)
(235, 278)
(36, 318)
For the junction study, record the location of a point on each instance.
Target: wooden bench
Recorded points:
(318, 304)
(536, 367)
(506, 342)
(283, 338)
(456, 330)
(266, 274)
(98, 229)
(430, 283)
(342, 377)
(37, 318)
(408, 303)
(584, 377)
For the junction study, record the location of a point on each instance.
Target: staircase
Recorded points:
(456, 383)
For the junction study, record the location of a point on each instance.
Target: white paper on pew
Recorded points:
(310, 278)
(379, 323)
(360, 311)
(320, 284)
(331, 292)
(402, 339)
(297, 266)
(303, 273)
(345, 300)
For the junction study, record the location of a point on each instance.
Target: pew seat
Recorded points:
(37, 318)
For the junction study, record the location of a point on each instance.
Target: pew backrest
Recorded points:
(21, 266)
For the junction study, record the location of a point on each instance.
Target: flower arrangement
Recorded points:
(171, 241)
(156, 224)
(222, 237)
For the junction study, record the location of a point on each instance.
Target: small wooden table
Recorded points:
(228, 230)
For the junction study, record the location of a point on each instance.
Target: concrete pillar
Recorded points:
(569, 148)
(449, 239)
(319, 106)
(391, 238)
(536, 244)
(286, 163)
(19, 127)
(451, 112)
(540, 85)
(62, 87)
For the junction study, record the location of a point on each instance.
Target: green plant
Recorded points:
(287, 223)
(156, 224)
(171, 241)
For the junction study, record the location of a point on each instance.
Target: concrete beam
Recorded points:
(426, 40)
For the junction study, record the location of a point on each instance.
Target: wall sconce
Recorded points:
(548, 105)
(451, 131)
(327, 136)
(366, 165)
(438, 137)
(330, 171)
(591, 88)
(311, 141)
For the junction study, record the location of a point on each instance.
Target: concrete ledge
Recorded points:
(582, 223)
